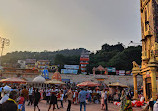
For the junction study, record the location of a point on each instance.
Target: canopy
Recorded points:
(88, 83)
(118, 84)
(13, 80)
(54, 81)
(39, 79)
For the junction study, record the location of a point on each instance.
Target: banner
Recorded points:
(66, 80)
(120, 72)
(69, 71)
(71, 66)
(111, 69)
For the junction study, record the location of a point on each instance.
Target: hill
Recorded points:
(13, 57)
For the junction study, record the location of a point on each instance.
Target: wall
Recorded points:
(126, 80)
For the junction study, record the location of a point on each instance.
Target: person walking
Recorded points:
(123, 100)
(25, 93)
(69, 98)
(82, 98)
(53, 100)
(106, 99)
(102, 100)
(48, 94)
(30, 96)
(61, 98)
(37, 97)
(21, 100)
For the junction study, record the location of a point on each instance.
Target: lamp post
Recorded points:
(4, 42)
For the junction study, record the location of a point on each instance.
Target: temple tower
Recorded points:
(149, 30)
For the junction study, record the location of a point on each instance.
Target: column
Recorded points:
(135, 86)
(153, 82)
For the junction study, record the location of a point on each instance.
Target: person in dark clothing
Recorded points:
(151, 104)
(37, 97)
(53, 100)
(10, 104)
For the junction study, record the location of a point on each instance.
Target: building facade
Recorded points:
(42, 64)
(30, 63)
(28, 74)
(149, 67)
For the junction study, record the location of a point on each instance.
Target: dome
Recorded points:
(39, 79)
(56, 76)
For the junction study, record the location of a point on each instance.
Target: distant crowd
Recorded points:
(16, 98)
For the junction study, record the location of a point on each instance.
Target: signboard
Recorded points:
(71, 66)
(66, 80)
(111, 69)
(120, 72)
(69, 71)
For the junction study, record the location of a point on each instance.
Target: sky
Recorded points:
(38, 25)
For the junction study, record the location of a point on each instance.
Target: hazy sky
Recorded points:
(37, 25)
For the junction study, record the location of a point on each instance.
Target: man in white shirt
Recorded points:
(30, 96)
(155, 108)
(48, 94)
(61, 98)
(7, 90)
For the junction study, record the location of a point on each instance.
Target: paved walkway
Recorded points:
(90, 107)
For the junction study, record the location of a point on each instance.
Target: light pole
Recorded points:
(4, 42)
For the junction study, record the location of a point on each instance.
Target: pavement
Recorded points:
(89, 107)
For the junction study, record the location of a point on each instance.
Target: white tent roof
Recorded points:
(39, 79)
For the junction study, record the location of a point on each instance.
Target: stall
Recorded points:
(88, 84)
(13, 80)
(115, 90)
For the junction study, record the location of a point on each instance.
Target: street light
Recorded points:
(4, 42)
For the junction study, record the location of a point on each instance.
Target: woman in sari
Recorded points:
(123, 100)
(128, 105)
(102, 100)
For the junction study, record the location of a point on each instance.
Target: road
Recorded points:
(89, 107)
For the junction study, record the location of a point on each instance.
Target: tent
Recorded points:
(13, 80)
(117, 84)
(88, 83)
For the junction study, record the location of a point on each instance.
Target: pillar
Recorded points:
(153, 82)
(135, 86)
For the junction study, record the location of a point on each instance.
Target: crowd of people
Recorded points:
(17, 97)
